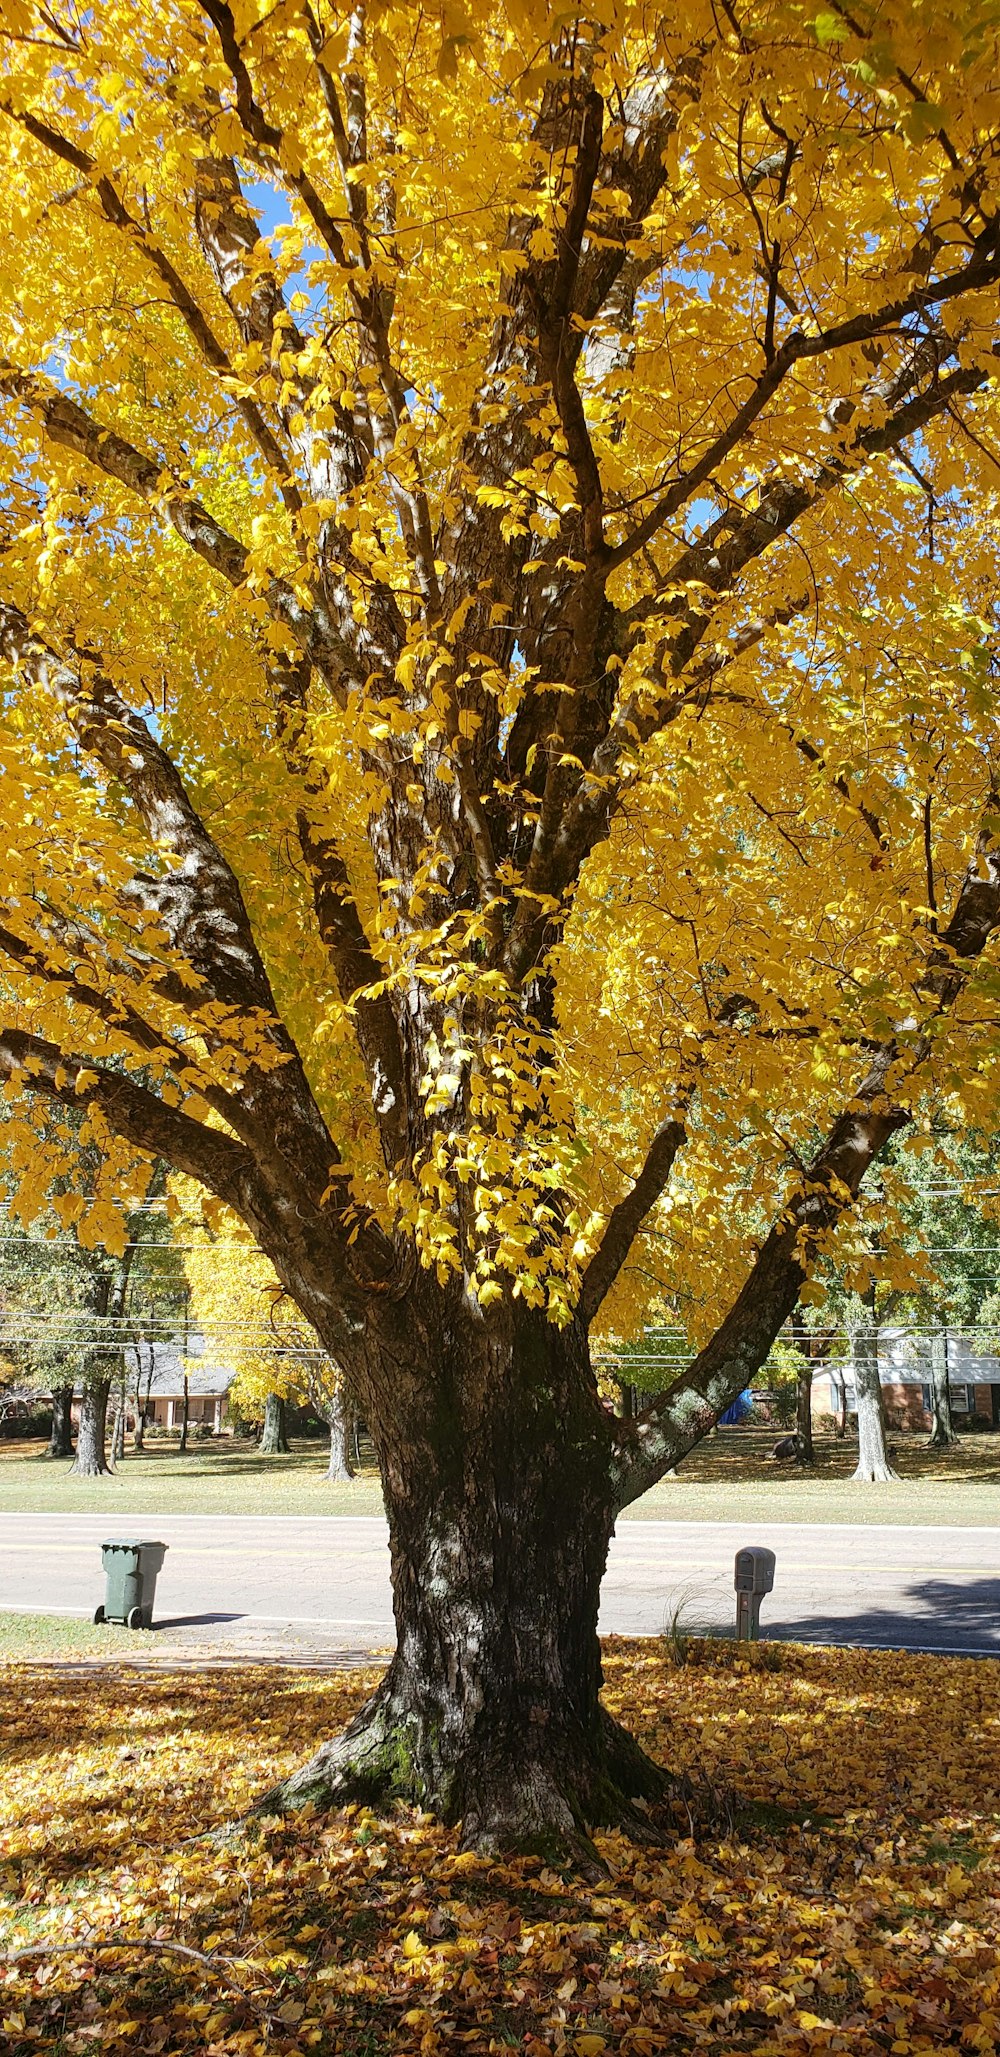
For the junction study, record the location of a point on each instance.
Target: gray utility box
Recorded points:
(130, 1573)
(754, 1578)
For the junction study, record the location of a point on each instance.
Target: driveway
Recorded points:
(278, 1583)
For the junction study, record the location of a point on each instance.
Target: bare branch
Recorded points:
(626, 1219)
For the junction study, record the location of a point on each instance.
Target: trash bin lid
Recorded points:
(132, 1543)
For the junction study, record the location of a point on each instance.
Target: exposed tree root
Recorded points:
(542, 1792)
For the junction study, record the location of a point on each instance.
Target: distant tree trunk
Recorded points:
(118, 1432)
(91, 1458)
(943, 1431)
(182, 1446)
(274, 1436)
(141, 1405)
(840, 1429)
(803, 1397)
(803, 1414)
(874, 1467)
(61, 1433)
(340, 1415)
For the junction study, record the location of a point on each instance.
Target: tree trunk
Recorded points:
(943, 1431)
(274, 1436)
(803, 1414)
(61, 1433)
(874, 1467)
(91, 1460)
(340, 1418)
(498, 1498)
(841, 1427)
(182, 1445)
(141, 1405)
(118, 1432)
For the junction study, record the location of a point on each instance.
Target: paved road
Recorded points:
(264, 1584)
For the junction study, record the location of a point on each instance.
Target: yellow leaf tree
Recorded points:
(498, 581)
(274, 1353)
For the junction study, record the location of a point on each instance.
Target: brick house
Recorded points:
(904, 1370)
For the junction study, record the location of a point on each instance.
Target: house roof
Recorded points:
(207, 1374)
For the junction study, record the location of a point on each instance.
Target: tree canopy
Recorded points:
(497, 605)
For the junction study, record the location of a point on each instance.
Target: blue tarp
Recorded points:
(738, 1412)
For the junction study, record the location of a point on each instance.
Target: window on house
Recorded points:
(961, 1399)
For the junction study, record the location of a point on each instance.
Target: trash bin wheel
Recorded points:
(136, 1617)
(99, 1616)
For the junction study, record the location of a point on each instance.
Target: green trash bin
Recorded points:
(130, 1572)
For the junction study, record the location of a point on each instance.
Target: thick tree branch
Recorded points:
(199, 901)
(338, 918)
(709, 567)
(218, 1161)
(195, 319)
(625, 1220)
(263, 133)
(67, 424)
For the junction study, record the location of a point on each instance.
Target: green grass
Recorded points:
(730, 1477)
(26, 1637)
(227, 1476)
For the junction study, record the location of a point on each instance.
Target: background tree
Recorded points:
(276, 1356)
(949, 1221)
(494, 735)
(69, 1308)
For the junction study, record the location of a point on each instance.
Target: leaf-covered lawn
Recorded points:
(843, 1896)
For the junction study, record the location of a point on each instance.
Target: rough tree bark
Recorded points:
(118, 1431)
(92, 1428)
(61, 1432)
(943, 1430)
(341, 1420)
(873, 1466)
(274, 1435)
(500, 1509)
